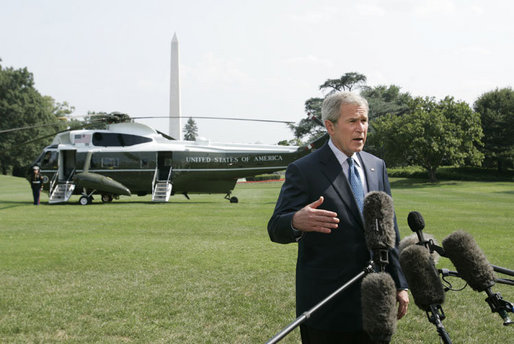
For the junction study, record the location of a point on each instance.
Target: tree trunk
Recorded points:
(500, 164)
(431, 174)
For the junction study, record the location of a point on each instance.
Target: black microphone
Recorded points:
(473, 267)
(378, 297)
(378, 212)
(425, 285)
(416, 224)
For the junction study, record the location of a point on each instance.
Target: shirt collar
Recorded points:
(341, 157)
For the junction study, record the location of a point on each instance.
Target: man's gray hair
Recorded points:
(331, 107)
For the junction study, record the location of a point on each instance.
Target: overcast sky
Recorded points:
(256, 59)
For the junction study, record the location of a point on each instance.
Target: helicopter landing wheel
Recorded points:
(84, 200)
(106, 198)
(232, 199)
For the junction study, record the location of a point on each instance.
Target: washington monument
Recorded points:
(175, 120)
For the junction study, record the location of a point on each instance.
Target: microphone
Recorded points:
(378, 212)
(473, 266)
(416, 224)
(425, 285)
(422, 277)
(469, 260)
(378, 297)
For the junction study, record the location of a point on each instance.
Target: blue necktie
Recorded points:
(355, 183)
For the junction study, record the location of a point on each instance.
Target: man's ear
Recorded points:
(330, 127)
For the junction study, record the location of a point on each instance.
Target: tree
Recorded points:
(385, 100)
(21, 105)
(344, 83)
(190, 130)
(307, 127)
(431, 135)
(496, 109)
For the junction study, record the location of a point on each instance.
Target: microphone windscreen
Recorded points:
(469, 260)
(378, 296)
(422, 277)
(415, 221)
(378, 212)
(413, 239)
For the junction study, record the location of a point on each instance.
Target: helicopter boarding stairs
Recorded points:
(161, 190)
(60, 192)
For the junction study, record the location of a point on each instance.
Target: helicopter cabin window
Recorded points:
(118, 140)
(49, 160)
(110, 162)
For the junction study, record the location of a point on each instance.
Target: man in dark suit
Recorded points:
(321, 209)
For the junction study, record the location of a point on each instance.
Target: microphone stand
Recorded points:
(446, 272)
(494, 300)
(307, 314)
(499, 305)
(431, 246)
(435, 316)
(503, 270)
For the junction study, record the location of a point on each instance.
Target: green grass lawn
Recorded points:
(204, 270)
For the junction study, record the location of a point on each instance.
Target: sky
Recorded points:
(253, 59)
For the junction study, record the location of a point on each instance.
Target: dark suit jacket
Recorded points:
(327, 261)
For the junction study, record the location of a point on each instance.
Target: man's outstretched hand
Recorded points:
(311, 219)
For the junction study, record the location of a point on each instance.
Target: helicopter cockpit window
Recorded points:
(118, 140)
(49, 160)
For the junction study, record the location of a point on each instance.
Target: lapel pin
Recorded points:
(372, 169)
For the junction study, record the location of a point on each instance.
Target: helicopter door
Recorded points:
(67, 164)
(164, 160)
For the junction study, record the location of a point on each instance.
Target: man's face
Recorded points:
(350, 131)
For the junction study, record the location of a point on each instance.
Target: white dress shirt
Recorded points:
(341, 157)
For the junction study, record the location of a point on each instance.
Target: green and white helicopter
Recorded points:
(131, 158)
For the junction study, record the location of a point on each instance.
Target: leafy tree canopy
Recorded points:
(432, 134)
(382, 100)
(307, 128)
(346, 82)
(496, 109)
(22, 106)
(385, 100)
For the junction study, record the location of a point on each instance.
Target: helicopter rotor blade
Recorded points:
(28, 127)
(219, 118)
(102, 118)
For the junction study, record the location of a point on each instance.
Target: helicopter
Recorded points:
(130, 158)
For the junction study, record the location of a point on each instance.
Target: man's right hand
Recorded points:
(311, 219)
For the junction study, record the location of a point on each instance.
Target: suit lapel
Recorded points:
(370, 170)
(334, 173)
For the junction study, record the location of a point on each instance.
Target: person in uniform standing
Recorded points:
(36, 183)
